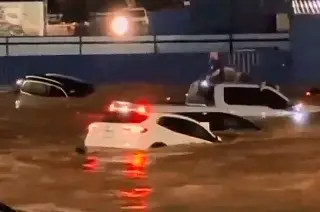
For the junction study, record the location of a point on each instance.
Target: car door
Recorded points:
(31, 94)
(246, 101)
(230, 122)
(39, 95)
(219, 121)
(185, 131)
(278, 103)
(57, 97)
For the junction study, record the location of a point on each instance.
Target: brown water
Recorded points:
(275, 170)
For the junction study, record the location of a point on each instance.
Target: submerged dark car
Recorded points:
(313, 92)
(39, 91)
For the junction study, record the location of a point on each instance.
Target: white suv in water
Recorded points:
(131, 126)
(247, 100)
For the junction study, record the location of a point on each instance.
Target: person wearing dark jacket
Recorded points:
(216, 68)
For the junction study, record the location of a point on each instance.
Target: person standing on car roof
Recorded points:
(216, 68)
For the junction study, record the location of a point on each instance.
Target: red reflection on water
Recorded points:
(91, 164)
(137, 198)
(136, 169)
(137, 165)
(137, 192)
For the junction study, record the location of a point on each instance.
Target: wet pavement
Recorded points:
(274, 170)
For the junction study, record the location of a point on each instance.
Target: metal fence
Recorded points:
(31, 46)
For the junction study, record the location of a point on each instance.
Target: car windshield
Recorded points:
(118, 117)
(59, 76)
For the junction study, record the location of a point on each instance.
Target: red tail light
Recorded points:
(308, 93)
(125, 107)
(135, 129)
(141, 109)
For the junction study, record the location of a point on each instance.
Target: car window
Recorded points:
(232, 122)
(35, 88)
(254, 96)
(132, 117)
(219, 121)
(185, 127)
(74, 87)
(135, 13)
(55, 92)
(242, 96)
(273, 100)
(79, 90)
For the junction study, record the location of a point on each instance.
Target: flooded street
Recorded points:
(275, 170)
(270, 175)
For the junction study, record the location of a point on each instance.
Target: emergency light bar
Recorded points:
(126, 107)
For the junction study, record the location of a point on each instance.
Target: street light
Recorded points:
(120, 25)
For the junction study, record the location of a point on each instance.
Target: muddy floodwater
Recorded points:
(274, 170)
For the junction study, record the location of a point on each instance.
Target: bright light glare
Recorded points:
(19, 82)
(298, 107)
(124, 109)
(204, 83)
(141, 109)
(120, 25)
(300, 118)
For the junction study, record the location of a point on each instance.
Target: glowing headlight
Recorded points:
(300, 118)
(120, 25)
(298, 107)
(204, 83)
(219, 138)
(19, 82)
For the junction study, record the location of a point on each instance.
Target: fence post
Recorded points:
(7, 46)
(231, 48)
(80, 45)
(155, 47)
(232, 11)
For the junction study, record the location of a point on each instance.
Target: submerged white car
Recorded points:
(134, 128)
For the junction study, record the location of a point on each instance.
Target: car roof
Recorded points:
(185, 108)
(61, 76)
(43, 80)
(172, 115)
(262, 86)
(155, 116)
(58, 78)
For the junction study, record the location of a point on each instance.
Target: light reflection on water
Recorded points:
(135, 169)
